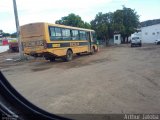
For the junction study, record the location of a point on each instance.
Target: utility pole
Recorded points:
(18, 30)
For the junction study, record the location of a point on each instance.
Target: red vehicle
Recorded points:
(4, 42)
(13, 46)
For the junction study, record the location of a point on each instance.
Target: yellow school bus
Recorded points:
(52, 40)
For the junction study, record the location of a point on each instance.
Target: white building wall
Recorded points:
(117, 39)
(150, 33)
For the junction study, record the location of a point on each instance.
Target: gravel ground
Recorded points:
(118, 79)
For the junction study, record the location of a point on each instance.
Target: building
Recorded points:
(149, 34)
(117, 39)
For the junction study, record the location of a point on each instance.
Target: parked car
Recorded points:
(136, 41)
(157, 41)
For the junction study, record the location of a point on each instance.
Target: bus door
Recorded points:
(90, 41)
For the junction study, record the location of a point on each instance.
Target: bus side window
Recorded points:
(88, 35)
(58, 33)
(55, 33)
(66, 34)
(83, 35)
(75, 34)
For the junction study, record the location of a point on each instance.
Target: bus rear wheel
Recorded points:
(69, 56)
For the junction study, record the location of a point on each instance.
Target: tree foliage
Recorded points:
(4, 34)
(73, 20)
(130, 21)
(14, 35)
(102, 24)
(123, 21)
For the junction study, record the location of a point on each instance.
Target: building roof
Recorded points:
(150, 22)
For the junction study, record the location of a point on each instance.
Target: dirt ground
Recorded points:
(118, 79)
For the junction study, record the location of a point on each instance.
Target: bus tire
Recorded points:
(69, 56)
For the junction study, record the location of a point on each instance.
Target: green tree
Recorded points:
(103, 26)
(6, 34)
(14, 35)
(86, 25)
(118, 25)
(125, 21)
(73, 20)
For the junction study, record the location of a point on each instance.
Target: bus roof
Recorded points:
(58, 25)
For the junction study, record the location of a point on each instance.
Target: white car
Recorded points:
(157, 41)
(136, 41)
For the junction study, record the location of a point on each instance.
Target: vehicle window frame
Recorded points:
(75, 37)
(64, 35)
(55, 36)
(83, 36)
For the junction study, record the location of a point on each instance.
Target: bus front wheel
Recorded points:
(69, 56)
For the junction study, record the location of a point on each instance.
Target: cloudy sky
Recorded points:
(51, 10)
